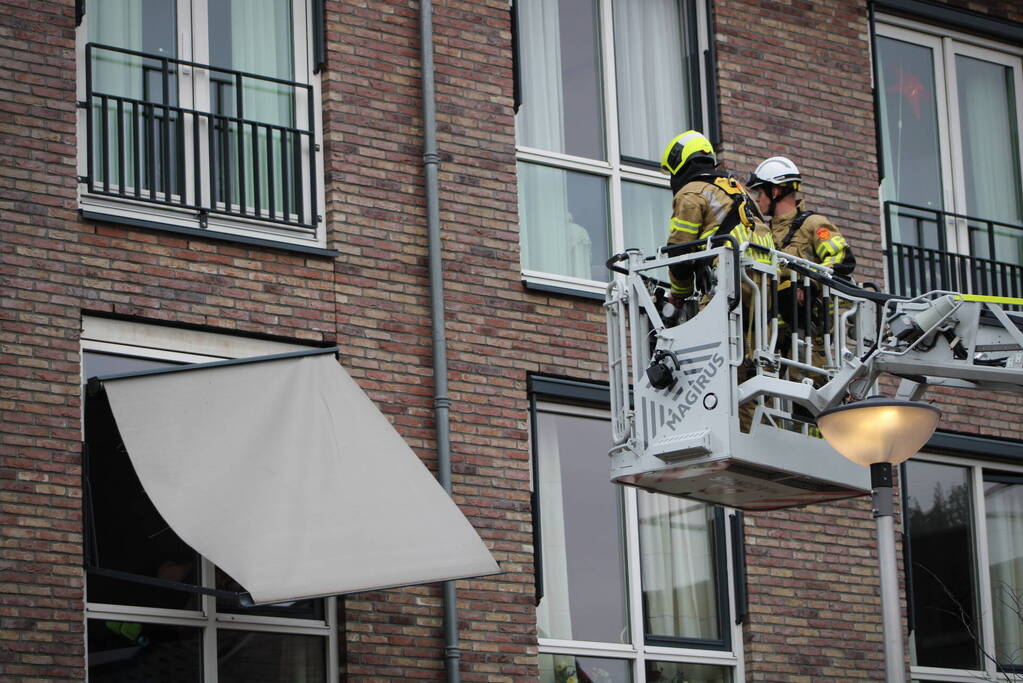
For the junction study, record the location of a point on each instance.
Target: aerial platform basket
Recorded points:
(717, 402)
(683, 437)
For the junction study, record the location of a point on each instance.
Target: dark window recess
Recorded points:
(138, 651)
(127, 532)
(944, 581)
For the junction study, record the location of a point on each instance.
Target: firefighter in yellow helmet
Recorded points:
(707, 201)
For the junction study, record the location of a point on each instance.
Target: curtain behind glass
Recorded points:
(1004, 512)
(909, 135)
(676, 542)
(646, 210)
(990, 142)
(653, 85)
(581, 528)
(561, 81)
(256, 37)
(563, 222)
(145, 26)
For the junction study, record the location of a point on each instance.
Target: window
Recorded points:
(201, 115)
(964, 525)
(138, 631)
(605, 85)
(634, 584)
(950, 116)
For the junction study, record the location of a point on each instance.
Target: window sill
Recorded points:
(183, 222)
(582, 289)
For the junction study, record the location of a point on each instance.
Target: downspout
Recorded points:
(441, 402)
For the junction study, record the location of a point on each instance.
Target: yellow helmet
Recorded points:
(683, 148)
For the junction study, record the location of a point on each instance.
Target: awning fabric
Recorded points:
(284, 473)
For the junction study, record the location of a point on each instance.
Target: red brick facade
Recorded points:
(794, 78)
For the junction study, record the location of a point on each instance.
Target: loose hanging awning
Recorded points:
(282, 472)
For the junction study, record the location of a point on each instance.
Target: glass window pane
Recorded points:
(679, 672)
(581, 526)
(677, 557)
(134, 146)
(255, 37)
(909, 127)
(572, 669)
(133, 651)
(559, 48)
(1004, 512)
(939, 510)
(256, 657)
(652, 82)
(647, 212)
(130, 535)
(564, 222)
(990, 140)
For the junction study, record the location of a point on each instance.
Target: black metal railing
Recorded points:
(143, 145)
(920, 260)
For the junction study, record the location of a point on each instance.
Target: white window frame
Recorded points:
(193, 90)
(614, 170)
(154, 342)
(945, 45)
(976, 470)
(637, 651)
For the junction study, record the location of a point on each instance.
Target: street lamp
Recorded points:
(878, 433)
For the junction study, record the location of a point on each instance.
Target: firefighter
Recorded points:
(809, 235)
(775, 185)
(706, 201)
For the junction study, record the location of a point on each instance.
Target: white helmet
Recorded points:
(775, 171)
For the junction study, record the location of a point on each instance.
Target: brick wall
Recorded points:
(375, 170)
(812, 572)
(795, 80)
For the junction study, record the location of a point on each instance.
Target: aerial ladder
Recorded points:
(717, 402)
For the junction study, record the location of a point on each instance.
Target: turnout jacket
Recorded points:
(698, 210)
(815, 240)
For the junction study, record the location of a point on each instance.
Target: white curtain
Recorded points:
(550, 241)
(262, 44)
(117, 23)
(541, 118)
(677, 560)
(990, 141)
(653, 89)
(647, 214)
(988, 136)
(1004, 505)
(553, 614)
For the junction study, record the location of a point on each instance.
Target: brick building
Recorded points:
(194, 181)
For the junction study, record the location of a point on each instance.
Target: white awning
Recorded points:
(284, 473)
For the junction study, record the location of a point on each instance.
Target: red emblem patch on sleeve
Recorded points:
(823, 234)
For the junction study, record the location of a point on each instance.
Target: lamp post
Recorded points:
(879, 433)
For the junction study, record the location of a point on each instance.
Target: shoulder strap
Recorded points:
(797, 223)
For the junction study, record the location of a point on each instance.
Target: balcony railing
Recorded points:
(244, 155)
(920, 260)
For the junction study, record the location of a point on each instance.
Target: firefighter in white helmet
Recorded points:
(775, 184)
(797, 231)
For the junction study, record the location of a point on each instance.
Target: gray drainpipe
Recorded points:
(441, 402)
